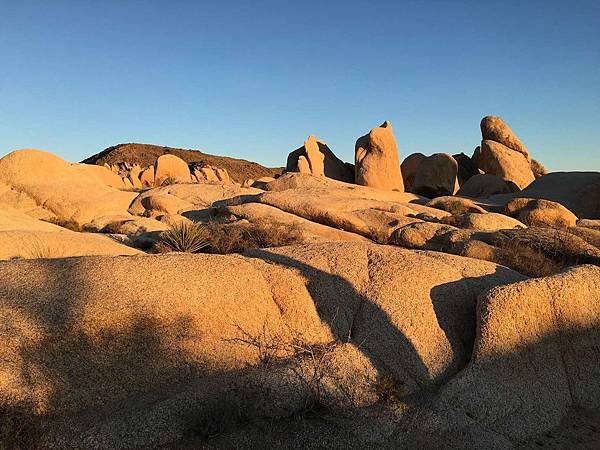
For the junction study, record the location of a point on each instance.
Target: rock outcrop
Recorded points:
(315, 158)
(497, 159)
(45, 186)
(483, 186)
(376, 159)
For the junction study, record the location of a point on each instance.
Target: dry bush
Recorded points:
(237, 237)
(183, 236)
(534, 251)
(527, 260)
(169, 181)
(68, 223)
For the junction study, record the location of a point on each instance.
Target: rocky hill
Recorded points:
(146, 154)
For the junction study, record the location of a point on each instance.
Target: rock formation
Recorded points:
(376, 159)
(170, 167)
(316, 158)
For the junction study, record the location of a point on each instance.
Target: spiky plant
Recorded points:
(169, 181)
(185, 237)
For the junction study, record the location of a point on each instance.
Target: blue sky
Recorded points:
(253, 79)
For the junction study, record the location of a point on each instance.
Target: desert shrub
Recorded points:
(183, 236)
(527, 260)
(65, 223)
(169, 181)
(535, 251)
(237, 237)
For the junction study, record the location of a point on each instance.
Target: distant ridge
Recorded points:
(145, 155)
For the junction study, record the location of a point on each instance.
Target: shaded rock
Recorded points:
(455, 205)
(507, 164)
(495, 129)
(540, 213)
(436, 176)
(589, 223)
(170, 167)
(466, 168)
(316, 158)
(409, 168)
(376, 159)
(535, 358)
(483, 186)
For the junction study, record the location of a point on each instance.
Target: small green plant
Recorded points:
(169, 181)
(183, 236)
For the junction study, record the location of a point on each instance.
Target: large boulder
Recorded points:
(376, 159)
(540, 213)
(170, 167)
(436, 176)
(495, 129)
(409, 168)
(316, 158)
(45, 186)
(497, 159)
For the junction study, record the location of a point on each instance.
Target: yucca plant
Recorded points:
(185, 237)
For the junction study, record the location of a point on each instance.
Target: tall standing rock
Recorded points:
(495, 129)
(316, 158)
(376, 159)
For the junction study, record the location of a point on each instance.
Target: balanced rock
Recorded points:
(170, 167)
(409, 168)
(376, 159)
(499, 160)
(436, 176)
(495, 129)
(316, 158)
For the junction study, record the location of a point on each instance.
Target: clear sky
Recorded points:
(252, 79)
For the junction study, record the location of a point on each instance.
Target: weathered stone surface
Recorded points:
(147, 177)
(376, 159)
